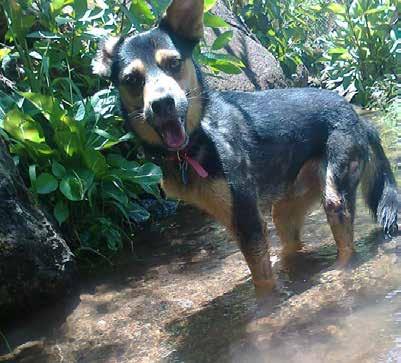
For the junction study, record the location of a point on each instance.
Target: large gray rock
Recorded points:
(262, 71)
(35, 262)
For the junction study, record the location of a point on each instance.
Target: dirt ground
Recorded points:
(186, 296)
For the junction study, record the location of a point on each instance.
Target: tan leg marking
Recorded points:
(289, 213)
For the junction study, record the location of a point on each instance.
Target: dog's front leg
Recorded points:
(252, 235)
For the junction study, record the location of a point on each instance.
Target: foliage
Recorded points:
(363, 56)
(351, 45)
(292, 30)
(63, 132)
(389, 124)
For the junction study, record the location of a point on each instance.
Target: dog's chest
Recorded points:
(212, 195)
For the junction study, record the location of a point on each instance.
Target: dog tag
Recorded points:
(184, 171)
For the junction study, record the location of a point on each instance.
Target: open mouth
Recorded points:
(174, 135)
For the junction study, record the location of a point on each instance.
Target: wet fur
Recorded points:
(274, 150)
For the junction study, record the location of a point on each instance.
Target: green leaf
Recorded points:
(118, 161)
(58, 170)
(95, 161)
(208, 5)
(337, 51)
(4, 52)
(148, 173)
(376, 10)
(43, 35)
(114, 191)
(222, 40)
(140, 9)
(45, 104)
(227, 67)
(72, 187)
(337, 8)
(46, 183)
(80, 7)
(61, 211)
(32, 174)
(138, 213)
(22, 127)
(214, 21)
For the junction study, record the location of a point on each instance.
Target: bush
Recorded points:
(363, 56)
(63, 132)
(292, 30)
(352, 46)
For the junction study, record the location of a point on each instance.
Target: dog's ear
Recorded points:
(101, 65)
(185, 18)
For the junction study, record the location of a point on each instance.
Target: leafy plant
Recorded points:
(363, 54)
(62, 131)
(292, 30)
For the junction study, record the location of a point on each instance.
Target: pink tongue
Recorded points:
(173, 134)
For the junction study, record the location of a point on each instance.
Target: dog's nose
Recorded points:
(163, 106)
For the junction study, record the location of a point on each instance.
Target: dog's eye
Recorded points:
(134, 80)
(174, 65)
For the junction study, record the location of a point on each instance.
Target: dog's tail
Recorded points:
(378, 184)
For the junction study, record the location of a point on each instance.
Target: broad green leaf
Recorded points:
(337, 8)
(80, 7)
(138, 213)
(113, 190)
(95, 161)
(4, 52)
(46, 183)
(148, 173)
(337, 51)
(214, 21)
(222, 40)
(140, 9)
(118, 161)
(46, 105)
(72, 188)
(61, 211)
(22, 127)
(58, 170)
(68, 141)
(58, 5)
(208, 4)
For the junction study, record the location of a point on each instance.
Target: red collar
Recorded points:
(182, 157)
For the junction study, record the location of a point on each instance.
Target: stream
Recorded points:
(186, 296)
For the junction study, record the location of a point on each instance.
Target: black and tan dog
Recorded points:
(237, 155)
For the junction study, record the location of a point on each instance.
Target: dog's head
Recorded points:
(156, 76)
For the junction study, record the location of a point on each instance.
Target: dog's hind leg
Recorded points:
(343, 172)
(251, 232)
(289, 212)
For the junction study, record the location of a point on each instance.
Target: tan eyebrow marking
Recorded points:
(162, 54)
(135, 66)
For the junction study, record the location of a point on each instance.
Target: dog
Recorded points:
(239, 155)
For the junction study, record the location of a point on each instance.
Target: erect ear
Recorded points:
(101, 65)
(185, 18)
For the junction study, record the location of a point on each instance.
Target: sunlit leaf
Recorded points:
(214, 21)
(337, 8)
(222, 40)
(208, 4)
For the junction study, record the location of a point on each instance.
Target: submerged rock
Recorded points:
(35, 262)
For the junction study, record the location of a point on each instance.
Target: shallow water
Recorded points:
(187, 297)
